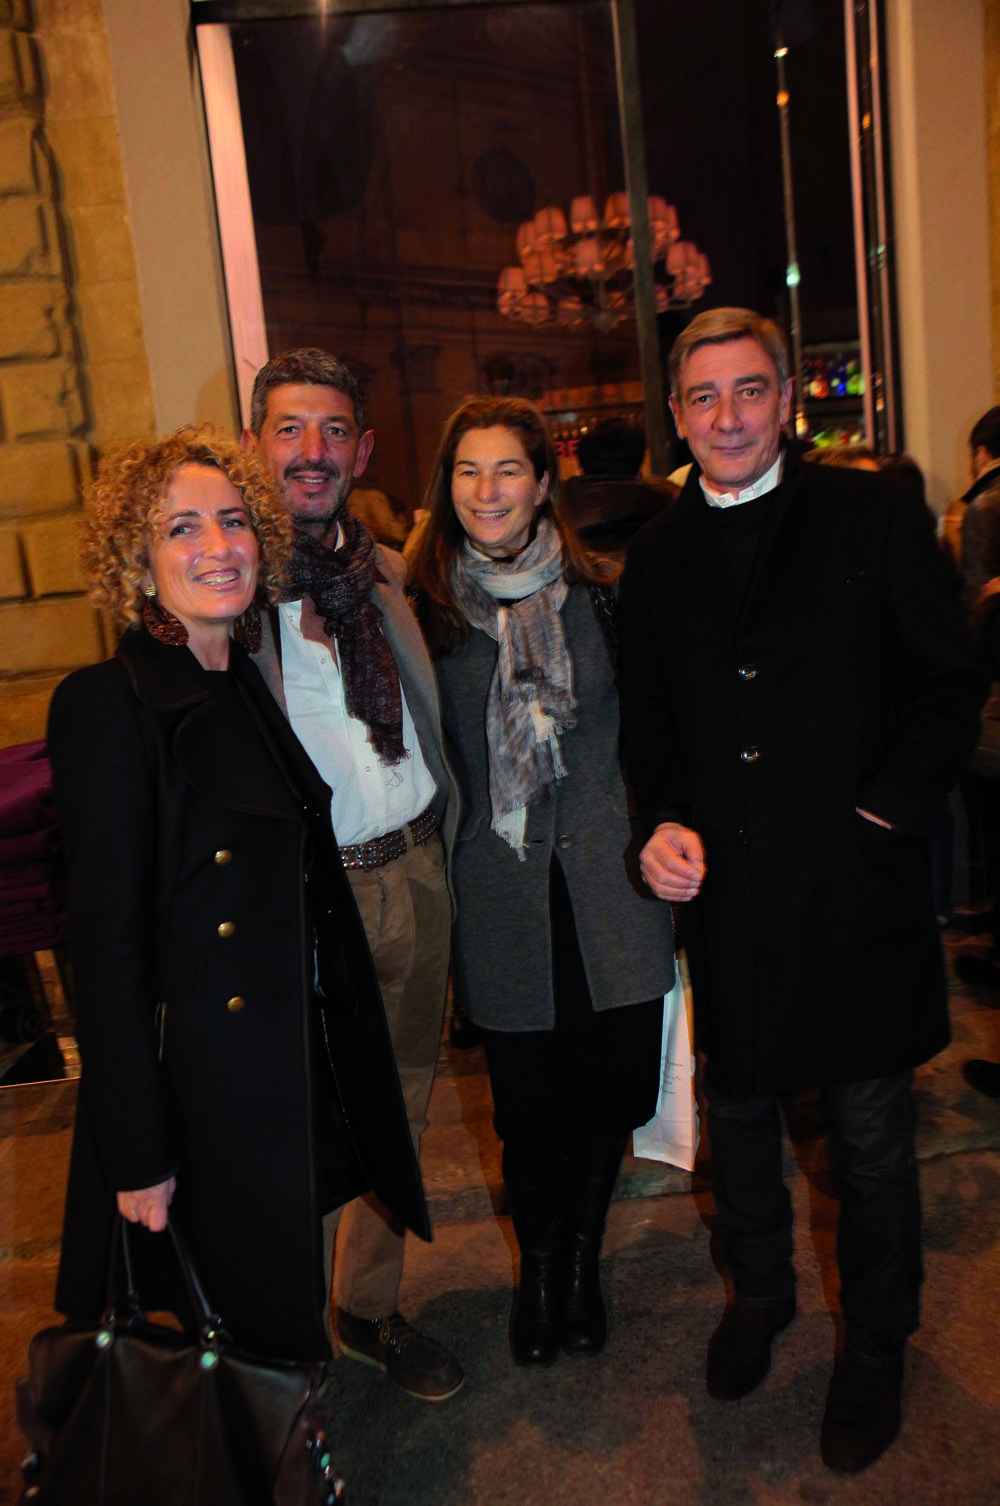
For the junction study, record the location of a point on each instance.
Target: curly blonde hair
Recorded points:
(129, 492)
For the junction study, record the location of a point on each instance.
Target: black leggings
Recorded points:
(593, 1076)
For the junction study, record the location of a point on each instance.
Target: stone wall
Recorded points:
(73, 371)
(991, 11)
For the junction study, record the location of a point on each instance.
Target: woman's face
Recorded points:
(494, 490)
(203, 552)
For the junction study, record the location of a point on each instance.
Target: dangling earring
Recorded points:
(248, 630)
(149, 590)
(161, 624)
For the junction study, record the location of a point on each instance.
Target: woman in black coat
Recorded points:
(236, 1063)
(561, 954)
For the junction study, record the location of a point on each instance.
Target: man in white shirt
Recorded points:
(798, 691)
(345, 659)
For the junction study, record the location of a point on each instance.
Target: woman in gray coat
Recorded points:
(561, 954)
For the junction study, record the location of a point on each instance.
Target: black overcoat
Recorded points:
(844, 679)
(189, 816)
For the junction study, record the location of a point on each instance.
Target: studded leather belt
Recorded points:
(382, 850)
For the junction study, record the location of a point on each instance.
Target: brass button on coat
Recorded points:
(227, 928)
(223, 856)
(747, 672)
(235, 1005)
(750, 755)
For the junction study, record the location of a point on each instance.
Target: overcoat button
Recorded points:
(227, 928)
(747, 672)
(564, 841)
(235, 1005)
(750, 755)
(223, 856)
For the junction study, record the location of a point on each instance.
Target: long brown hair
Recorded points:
(442, 534)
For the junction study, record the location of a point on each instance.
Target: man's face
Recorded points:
(310, 443)
(730, 409)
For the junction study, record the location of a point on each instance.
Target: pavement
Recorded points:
(633, 1426)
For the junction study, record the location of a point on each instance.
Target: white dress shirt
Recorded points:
(767, 483)
(369, 798)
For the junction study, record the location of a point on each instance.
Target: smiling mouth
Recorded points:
(314, 478)
(491, 517)
(219, 578)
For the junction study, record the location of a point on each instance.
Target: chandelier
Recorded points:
(580, 276)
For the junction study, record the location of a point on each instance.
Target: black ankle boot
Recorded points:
(534, 1317)
(593, 1171)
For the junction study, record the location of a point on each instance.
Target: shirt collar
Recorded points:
(760, 488)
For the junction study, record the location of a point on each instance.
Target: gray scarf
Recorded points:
(530, 701)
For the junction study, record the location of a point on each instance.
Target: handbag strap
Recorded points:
(209, 1324)
(604, 604)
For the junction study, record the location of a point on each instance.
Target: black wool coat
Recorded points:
(190, 812)
(844, 678)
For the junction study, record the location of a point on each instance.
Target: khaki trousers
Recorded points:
(406, 911)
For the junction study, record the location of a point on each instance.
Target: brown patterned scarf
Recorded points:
(340, 583)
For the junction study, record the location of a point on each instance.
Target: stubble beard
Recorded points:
(319, 525)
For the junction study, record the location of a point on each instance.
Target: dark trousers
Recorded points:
(869, 1129)
(592, 1078)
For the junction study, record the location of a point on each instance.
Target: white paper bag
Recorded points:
(672, 1133)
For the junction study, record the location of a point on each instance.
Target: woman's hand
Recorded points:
(148, 1205)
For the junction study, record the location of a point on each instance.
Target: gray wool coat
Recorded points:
(501, 947)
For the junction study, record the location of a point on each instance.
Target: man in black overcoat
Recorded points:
(797, 692)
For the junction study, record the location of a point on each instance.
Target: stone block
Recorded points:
(122, 401)
(29, 239)
(102, 243)
(16, 13)
(111, 320)
(88, 159)
(78, 83)
(24, 708)
(73, 15)
(17, 157)
(50, 555)
(38, 478)
(40, 401)
(33, 320)
(20, 80)
(49, 635)
(12, 578)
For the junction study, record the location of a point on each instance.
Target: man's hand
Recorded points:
(148, 1205)
(673, 862)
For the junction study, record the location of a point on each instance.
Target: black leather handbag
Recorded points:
(127, 1412)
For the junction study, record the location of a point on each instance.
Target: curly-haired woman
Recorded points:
(236, 1064)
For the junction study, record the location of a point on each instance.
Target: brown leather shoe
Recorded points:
(420, 1365)
(739, 1351)
(862, 1413)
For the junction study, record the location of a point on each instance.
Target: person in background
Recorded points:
(384, 519)
(980, 501)
(344, 658)
(562, 955)
(798, 692)
(979, 1073)
(610, 500)
(237, 1067)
